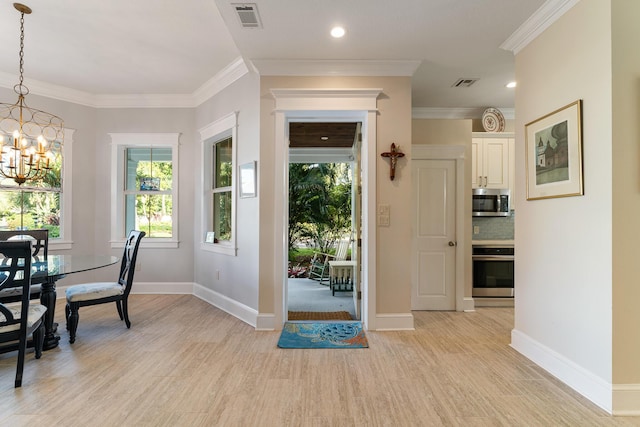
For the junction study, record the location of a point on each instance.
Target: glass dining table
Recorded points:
(47, 272)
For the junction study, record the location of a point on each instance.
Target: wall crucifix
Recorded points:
(394, 155)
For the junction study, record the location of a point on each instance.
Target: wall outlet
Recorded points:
(138, 266)
(476, 229)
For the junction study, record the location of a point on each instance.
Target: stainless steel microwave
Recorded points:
(491, 202)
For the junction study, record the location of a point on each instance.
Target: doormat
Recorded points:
(323, 335)
(319, 315)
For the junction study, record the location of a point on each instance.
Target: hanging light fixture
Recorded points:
(30, 140)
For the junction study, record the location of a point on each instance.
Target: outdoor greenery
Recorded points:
(152, 191)
(319, 204)
(223, 178)
(39, 208)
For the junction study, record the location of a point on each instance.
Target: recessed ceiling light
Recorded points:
(324, 138)
(337, 32)
(511, 84)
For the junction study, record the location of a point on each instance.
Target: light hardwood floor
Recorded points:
(186, 363)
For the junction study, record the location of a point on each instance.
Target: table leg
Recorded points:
(48, 299)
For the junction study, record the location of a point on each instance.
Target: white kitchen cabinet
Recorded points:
(492, 164)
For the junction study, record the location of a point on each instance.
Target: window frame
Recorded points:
(65, 241)
(120, 142)
(210, 135)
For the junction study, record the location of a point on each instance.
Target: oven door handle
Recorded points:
(492, 258)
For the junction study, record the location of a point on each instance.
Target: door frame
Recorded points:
(326, 105)
(457, 153)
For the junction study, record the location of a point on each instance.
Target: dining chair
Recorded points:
(18, 320)
(39, 240)
(86, 294)
(38, 237)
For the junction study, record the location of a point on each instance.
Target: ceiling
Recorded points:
(320, 134)
(123, 47)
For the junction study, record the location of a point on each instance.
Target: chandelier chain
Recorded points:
(21, 85)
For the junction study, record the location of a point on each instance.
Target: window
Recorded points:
(148, 198)
(43, 204)
(219, 147)
(144, 195)
(222, 189)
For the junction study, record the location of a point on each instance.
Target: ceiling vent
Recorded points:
(464, 82)
(248, 15)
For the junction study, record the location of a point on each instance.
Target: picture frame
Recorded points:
(210, 237)
(149, 184)
(554, 154)
(247, 178)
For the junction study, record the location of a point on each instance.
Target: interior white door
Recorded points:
(434, 263)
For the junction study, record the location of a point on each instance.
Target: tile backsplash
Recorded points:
(493, 228)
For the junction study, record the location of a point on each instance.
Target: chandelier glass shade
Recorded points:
(30, 140)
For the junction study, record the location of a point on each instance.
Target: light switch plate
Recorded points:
(384, 209)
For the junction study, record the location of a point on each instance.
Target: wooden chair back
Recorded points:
(15, 271)
(39, 239)
(18, 321)
(128, 264)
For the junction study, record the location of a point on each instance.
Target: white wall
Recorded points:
(155, 265)
(92, 181)
(452, 132)
(238, 276)
(563, 265)
(626, 205)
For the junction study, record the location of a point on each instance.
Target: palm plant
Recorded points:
(319, 204)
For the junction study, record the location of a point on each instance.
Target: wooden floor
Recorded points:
(185, 363)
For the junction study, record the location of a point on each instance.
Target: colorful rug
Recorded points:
(323, 335)
(319, 315)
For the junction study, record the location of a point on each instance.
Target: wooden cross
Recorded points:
(394, 155)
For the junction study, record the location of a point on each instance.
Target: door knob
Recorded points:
(452, 243)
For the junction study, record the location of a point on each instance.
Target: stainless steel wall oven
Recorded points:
(493, 271)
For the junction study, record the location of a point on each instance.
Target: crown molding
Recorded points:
(542, 19)
(456, 113)
(48, 90)
(149, 100)
(309, 67)
(220, 81)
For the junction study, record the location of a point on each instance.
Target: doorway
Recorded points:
(439, 241)
(312, 104)
(324, 206)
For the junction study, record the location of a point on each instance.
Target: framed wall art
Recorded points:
(248, 180)
(554, 154)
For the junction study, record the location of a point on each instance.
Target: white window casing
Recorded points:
(210, 134)
(119, 143)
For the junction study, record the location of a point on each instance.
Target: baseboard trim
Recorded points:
(266, 322)
(575, 376)
(468, 304)
(180, 288)
(394, 322)
(626, 400)
(226, 304)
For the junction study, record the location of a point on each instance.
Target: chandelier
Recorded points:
(30, 140)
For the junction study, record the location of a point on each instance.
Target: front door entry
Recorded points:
(434, 263)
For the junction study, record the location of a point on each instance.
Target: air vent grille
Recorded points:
(248, 15)
(464, 82)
